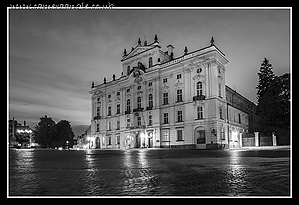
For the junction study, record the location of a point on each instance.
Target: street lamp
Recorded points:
(67, 144)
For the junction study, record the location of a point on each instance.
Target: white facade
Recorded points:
(163, 101)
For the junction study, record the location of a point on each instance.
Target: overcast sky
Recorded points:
(54, 55)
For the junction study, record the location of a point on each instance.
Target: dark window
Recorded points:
(179, 135)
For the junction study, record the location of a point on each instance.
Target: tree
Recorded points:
(63, 134)
(273, 102)
(44, 131)
(266, 76)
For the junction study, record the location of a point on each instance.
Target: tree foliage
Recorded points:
(273, 101)
(49, 134)
(266, 76)
(44, 131)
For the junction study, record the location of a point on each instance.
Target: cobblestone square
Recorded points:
(150, 172)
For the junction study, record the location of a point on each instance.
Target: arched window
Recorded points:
(199, 88)
(139, 102)
(150, 62)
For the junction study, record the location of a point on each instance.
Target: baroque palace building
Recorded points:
(165, 101)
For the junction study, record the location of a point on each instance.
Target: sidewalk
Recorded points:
(268, 147)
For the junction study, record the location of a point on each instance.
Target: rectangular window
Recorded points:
(220, 112)
(199, 88)
(118, 139)
(179, 95)
(109, 125)
(117, 124)
(179, 135)
(180, 116)
(109, 111)
(98, 127)
(118, 93)
(128, 105)
(150, 120)
(138, 120)
(98, 111)
(199, 112)
(165, 98)
(118, 109)
(128, 122)
(165, 136)
(109, 140)
(178, 76)
(239, 118)
(165, 118)
(164, 80)
(139, 102)
(150, 100)
(222, 133)
(219, 90)
(109, 96)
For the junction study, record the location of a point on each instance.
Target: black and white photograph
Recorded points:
(148, 102)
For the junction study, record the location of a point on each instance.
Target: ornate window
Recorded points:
(199, 88)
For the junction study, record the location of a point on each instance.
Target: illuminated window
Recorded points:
(165, 136)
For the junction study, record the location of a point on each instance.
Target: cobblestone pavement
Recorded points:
(149, 172)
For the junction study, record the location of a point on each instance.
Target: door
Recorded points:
(200, 138)
(98, 143)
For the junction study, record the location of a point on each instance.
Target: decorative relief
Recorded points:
(139, 92)
(198, 103)
(164, 87)
(199, 77)
(178, 84)
(150, 90)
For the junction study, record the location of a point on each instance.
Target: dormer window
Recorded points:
(150, 62)
(128, 70)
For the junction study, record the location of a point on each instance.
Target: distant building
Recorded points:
(165, 101)
(20, 135)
